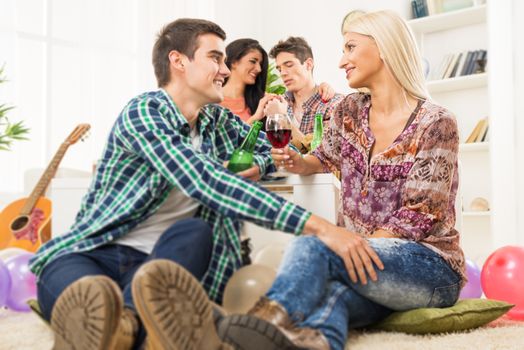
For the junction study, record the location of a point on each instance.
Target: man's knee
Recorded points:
(193, 231)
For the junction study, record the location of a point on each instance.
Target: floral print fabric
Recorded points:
(409, 189)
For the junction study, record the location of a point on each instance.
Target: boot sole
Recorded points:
(86, 315)
(247, 332)
(174, 308)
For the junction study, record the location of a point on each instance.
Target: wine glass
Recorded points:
(278, 130)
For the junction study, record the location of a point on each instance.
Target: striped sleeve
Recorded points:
(144, 132)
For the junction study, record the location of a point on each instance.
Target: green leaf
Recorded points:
(11, 132)
(273, 84)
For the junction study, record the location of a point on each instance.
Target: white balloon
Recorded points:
(271, 255)
(10, 252)
(246, 286)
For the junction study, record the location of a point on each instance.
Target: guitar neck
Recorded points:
(44, 181)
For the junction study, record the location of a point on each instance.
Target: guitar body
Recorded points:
(25, 231)
(26, 223)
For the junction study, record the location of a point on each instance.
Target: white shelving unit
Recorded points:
(467, 97)
(449, 20)
(474, 147)
(476, 214)
(458, 83)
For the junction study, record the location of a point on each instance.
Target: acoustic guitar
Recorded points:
(26, 223)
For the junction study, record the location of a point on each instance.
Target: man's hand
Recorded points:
(354, 250)
(382, 234)
(358, 256)
(326, 92)
(252, 173)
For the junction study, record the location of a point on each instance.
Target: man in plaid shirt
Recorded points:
(161, 195)
(294, 60)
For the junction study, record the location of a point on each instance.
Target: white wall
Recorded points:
(518, 73)
(318, 22)
(76, 61)
(73, 61)
(504, 99)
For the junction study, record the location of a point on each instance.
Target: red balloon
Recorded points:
(502, 278)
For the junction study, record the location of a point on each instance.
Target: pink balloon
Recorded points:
(5, 283)
(23, 285)
(503, 278)
(472, 289)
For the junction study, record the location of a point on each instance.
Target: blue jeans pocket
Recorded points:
(445, 296)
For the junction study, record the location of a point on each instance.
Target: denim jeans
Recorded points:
(314, 287)
(187, 242)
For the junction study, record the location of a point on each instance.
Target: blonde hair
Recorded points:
(397, 47)
(351, 15)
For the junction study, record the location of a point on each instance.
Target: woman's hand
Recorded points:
(289, 159)
(260, 112)
(276, 106)
(326, 92)
(360, 259)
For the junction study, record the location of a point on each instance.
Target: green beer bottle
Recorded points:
(318, 130)
(242, 157)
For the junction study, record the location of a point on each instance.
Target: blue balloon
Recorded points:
(5, 283)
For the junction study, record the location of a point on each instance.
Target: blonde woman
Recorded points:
(397, 154)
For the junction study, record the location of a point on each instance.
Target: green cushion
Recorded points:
(465, 314)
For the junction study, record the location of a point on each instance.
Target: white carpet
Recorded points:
(25, 331)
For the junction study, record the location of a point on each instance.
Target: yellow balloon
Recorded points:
(270, 255)
(246, 286)
(9, 252)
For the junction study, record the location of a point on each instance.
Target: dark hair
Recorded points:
(180, 35)
(295, 45)
(234, 52)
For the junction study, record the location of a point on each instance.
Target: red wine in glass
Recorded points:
(279, 138)
(278, 131)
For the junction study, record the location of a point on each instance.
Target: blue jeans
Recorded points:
(314, 287)
(187, 242)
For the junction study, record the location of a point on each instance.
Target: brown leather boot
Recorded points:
(174, 308)
(274, 313)
(87, 314)
(127, 331)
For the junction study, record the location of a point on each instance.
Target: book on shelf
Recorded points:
(456, 65)
(479, 133)
(471, 63)
(419, 8)
(459, 64)
(440, 70)
(479, 62)
(423, 8)
(453, 62)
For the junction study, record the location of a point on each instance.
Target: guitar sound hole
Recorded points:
(19, 223)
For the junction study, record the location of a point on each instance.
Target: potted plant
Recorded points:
(9, 132)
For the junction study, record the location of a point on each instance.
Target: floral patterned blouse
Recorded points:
(409, 189)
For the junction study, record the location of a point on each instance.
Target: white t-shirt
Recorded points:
(177, 206)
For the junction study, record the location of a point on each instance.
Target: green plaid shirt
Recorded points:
(148, 153)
